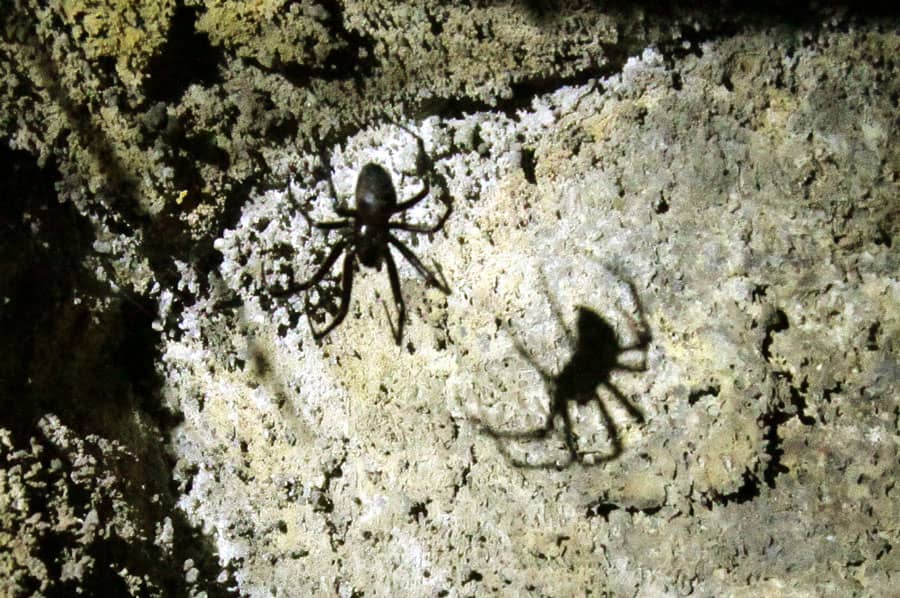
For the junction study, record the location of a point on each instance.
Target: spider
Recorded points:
(595, 355)
(365, 236)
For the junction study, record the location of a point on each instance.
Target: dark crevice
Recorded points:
(884, 236)
(464, 478)
(646, 510)
(435, 25)
(528, 165)
(662, 206)
(42, 245)
(354, 59)
(798, 400)
(418, 511)
(186, 58)
(323, 503)
(778, 322)
(826, 393)
(520, 98)
(750, 487)
(335, 472)
(726, 82)
(872, 338)
(773, 467)
(758, 292)
(603, 509)
(748, 490)
(696, 395)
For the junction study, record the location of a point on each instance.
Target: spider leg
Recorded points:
(318, 276)
(613, 432)
(523, 351)
(423, 228)
(334, 225)
(641, 331)
(557, 311)
(405, 205)
(526, 435)
(517, 462)
(625, 367)
(423, 161)
(503, 447)
(533, 434)
(387, 314)
(346, 288)
(641, 344)
(330, 225)
(569, 432)
(322, 225)
(339, 209)
(398, 297)
(626, 402)
(420, 268)
(639, 325)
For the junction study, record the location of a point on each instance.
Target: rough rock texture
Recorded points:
(723, 185)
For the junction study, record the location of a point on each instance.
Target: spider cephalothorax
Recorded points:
(365, 233)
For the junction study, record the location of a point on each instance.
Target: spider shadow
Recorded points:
(596, 354)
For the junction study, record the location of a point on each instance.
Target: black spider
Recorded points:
(365, 234)
(595, 355)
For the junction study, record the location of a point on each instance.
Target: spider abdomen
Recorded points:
(375, 194)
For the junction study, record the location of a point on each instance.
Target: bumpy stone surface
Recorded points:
(725, 186)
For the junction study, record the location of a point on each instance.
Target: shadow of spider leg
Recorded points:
(596, 350)
(539, 433)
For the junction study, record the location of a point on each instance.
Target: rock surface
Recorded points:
(717, 191)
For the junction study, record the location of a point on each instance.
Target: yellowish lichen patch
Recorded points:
(129, 32)
(271, 31)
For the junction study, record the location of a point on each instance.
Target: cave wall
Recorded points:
(667, 362)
